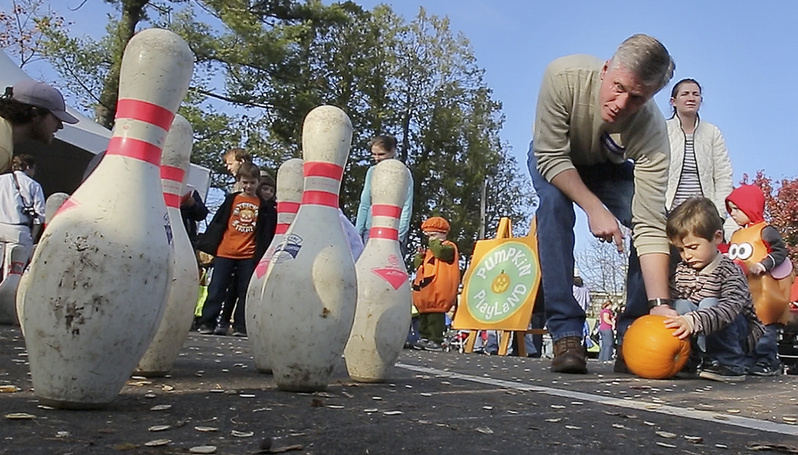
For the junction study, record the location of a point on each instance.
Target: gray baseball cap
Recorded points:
(42, 95)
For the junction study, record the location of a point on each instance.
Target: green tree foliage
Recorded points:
(263, 65)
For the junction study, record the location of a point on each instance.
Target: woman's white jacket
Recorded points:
(712, 157)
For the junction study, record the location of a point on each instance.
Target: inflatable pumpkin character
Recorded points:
(757, 245)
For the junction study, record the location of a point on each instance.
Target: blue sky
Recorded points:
(743, 54)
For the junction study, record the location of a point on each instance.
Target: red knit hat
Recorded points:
(435, 224)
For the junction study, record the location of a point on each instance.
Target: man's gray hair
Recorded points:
(647, 58)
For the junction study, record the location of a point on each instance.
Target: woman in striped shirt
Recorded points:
(700, 164)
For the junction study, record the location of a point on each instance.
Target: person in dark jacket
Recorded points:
(238, 235)
(192, 211)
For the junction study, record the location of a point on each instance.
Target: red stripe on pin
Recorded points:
(385, 210)
(324, 198)
(383, 233)
(134, 148)
(281, 228)
(172, 173)
(321, 169)
(287, 207)
(172, 200)
(144, 112)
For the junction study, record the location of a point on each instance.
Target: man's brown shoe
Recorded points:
(569, 356)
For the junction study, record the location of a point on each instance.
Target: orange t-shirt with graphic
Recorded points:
(238, 241)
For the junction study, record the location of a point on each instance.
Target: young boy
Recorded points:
(759, 249)
(711, 294)
(436, 283)
(238, 235)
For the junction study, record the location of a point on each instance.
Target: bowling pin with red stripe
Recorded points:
(99, 277)
(382, 317)
(310, 288)
(184, 287)
(8, 288)
(289, 195)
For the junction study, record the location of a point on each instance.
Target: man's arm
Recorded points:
(655, 277)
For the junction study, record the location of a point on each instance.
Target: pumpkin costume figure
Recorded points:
(436, 283)
(760, 251)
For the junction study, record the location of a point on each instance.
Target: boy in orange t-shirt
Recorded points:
(239, 233)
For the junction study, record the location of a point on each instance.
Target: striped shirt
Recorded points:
(723, 280)
(689, 184)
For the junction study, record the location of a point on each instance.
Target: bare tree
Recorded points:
(603, 268)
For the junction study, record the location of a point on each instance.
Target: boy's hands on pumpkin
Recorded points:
(682, 324)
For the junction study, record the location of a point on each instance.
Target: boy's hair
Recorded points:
(697, 216)
(22, 162)
(239, 154)
(248, 170)
(384, 142)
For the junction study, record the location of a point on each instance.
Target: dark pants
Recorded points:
(431, 326)
(766, 351)
(726, 345)
(613, 184)
(224, 272)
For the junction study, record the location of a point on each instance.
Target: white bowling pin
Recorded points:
(99, 278)
(184, 288)
(382, 317)
(51, 206)
(310, 286)
(289, 196)
(8, 288)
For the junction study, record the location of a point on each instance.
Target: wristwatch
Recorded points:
(657, 302)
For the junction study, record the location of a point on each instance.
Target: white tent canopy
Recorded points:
(60, 166)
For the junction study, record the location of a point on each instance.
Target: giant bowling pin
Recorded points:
(51, 206)
(289, 196)
(99, 278)
(8, 288)
(184, 288)
(382, 317)
(310, 286)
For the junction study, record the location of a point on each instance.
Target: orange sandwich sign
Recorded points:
(500, 285)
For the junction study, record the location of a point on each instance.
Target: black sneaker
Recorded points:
(620, 364)
(220, 330)
(761, 369)
(421, 344)
(205, 330)
(239, 333)
(721, 373)
(433, 346)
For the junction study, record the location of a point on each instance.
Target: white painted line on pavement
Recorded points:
(744, 422)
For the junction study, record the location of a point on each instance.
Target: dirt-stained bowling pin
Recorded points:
(310, 285)
(184, 288)
(382, 317)
(289, 195)
(99, 277)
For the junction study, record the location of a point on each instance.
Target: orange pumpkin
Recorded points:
(500, 283)
(650, 349)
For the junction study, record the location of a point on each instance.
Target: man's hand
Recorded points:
(664, 310)
(605, 227)
(681, 324)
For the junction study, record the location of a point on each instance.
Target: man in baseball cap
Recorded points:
(30, 110)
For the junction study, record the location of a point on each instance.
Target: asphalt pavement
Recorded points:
(435, 403)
